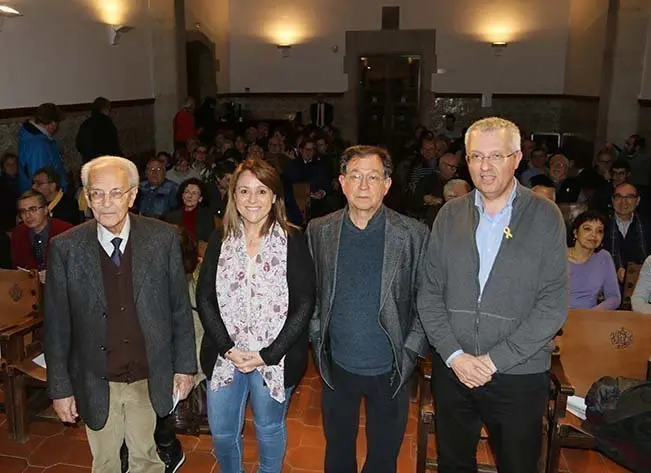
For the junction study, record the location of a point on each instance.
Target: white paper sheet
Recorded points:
(576, 405)
(40, 360)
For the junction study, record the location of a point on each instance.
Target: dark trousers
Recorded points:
(510, 406)
(386, 419)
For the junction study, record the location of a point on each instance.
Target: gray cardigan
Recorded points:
(524, 302)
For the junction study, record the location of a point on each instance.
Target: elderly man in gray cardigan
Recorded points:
(494, 294)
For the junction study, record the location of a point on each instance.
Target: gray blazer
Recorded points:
(405, 247)
(76, 316)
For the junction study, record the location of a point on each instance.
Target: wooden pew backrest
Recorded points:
(19, 295)
(604, 343)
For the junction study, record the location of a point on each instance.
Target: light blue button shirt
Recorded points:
(489, 235)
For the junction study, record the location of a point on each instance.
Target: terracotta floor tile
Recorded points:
(46, 428)
(188, 442)
(77, 431)
(67, 469)
(79, 454)
(15, 449)
(309, 458)
(312, 416)
(198, 462)
(51, 451)
(12, 465)
(205, 444)
(312, 436)
(33, 469)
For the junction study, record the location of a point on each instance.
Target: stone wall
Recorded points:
(135, 126)
(283, 106)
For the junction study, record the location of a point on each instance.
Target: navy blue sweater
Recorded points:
(359, 344)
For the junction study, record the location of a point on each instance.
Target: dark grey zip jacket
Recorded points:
(404, 250)
(524, 302)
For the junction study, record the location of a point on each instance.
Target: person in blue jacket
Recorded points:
(37, 147)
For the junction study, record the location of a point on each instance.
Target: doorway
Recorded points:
(201, 73)
(388, 99)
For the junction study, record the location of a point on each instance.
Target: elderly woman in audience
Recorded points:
(641, 298)
(182, 169)
(194, 215)
(255, 296)
(592, 270)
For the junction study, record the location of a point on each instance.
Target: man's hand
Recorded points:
(621, 274)
(486, 359)
(66, 409)
(183, 384)
(470, 370)
(254, 360)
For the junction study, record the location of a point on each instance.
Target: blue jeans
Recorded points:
(226, 408)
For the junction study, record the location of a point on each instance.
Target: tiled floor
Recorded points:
(53, 448)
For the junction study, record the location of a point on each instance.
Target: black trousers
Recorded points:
(510, 406)
(386, 419)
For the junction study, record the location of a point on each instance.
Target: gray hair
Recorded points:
(447, 188)
(127, 166)
(492, 124)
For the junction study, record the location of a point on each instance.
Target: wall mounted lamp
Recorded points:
(7, 12)
(115, 31)
(499, 47)
(285, 49)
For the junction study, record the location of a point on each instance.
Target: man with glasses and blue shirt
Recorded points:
(365, 332)
(493, 295)
(119, 335)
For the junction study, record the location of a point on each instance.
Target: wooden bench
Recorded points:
(20, 338)
(593, 344)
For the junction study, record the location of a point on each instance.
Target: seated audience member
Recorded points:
(307, 169)
(641, 298)
(543, 185)
(603, 163)
(194, 216)
(30, 240)
(635, 153)
(60, 204)
(626, 234)
(592, 271)
(8, 191)
(165, 158)
(200, 162)
(182, 169)
(453, 188)
(537, 165)
(567, 188)
(429, 190)
(218, 191)
(275, 155)
(590, 183)
(157, 195)
(620, 173)
(430, 151)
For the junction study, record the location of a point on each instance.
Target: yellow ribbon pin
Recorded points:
(507, 233)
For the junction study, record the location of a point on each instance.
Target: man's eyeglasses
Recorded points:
(493, 158)
(371, 179)
(96, 195)
(453, 167)
(41, 183)
(29, 210)
(629, 197)
(156, 169)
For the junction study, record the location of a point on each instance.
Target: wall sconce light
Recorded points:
(285, 49)
(115, 31)
(499, 47)
(7, 12)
